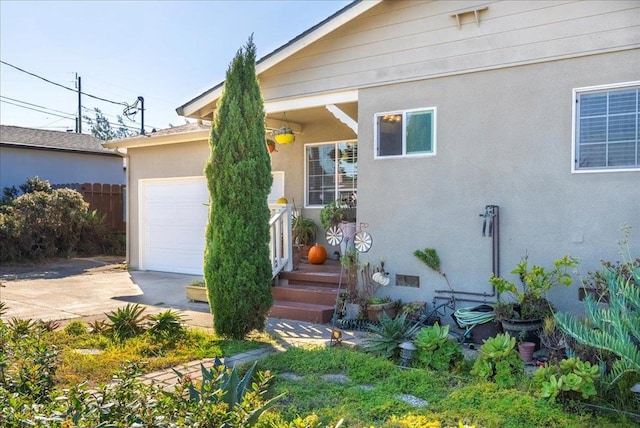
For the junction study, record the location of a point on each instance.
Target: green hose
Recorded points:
(466, 318)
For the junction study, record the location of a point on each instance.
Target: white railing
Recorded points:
(280, 246)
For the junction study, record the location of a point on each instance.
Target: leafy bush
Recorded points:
(435, 349)
(43, 223)
(570, 379)
(498, 362)
(27, 363)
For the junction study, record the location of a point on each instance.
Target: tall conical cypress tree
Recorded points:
(237, 269)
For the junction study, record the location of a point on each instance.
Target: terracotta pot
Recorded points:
(525, 329)
(526, 351)
(374, 311)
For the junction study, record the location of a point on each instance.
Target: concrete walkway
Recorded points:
(86, 289)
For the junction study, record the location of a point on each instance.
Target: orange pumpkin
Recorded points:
(317, 255)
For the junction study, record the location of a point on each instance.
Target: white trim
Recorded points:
(343, 117)
(574, 124)
(404, 154)
(317, 100)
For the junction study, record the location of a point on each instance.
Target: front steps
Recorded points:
(305, 296)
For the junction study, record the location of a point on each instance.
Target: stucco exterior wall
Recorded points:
(503, 138)
(16, 165)
(165, 161)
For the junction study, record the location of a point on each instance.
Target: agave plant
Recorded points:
(223, 385)
(388, 336)
(127, 322)
(166, 324)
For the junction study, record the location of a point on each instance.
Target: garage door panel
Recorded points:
(173, 223)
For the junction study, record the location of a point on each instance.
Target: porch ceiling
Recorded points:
(313, 114)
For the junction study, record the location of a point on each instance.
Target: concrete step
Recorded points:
(318, 295)
(325, 279)
(319, 314)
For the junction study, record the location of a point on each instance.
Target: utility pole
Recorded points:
(79, 123)
(141, 99)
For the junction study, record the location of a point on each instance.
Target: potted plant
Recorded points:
(528, 306)
(197, 292)
(341, 213)
(303, 232)
(374, 277)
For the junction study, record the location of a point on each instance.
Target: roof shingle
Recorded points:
(44, 139)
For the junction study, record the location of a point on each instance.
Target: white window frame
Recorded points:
(306, 175)
(404, 154)
(574, 134)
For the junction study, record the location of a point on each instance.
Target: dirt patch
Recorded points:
(60, 268)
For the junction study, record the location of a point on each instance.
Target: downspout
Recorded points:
(127, 189)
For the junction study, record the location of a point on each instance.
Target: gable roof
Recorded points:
(42, 139)
(344, 15)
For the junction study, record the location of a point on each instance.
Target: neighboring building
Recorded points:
(533, 106)
(59, 157)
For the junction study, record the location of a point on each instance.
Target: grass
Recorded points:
(369, 396)
(98, 368)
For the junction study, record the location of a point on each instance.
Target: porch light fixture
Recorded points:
(284, 134)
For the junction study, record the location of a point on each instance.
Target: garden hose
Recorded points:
(468, 318)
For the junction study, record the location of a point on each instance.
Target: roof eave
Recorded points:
(150, 140)
(341, 17)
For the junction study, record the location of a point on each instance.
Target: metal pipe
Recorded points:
(459, 300)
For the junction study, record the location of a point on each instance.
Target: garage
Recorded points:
(173, 219)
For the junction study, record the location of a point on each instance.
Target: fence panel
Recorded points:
(108, 200)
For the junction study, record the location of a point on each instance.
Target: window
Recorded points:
(331, 172)
(607, 127)
(408, 133)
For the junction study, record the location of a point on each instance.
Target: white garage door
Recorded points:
(173, 219)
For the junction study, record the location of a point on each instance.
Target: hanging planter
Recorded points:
(271, 146)
(284, 134)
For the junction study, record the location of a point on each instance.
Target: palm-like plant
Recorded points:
(615, 327)
(389, 334)
(127, 322)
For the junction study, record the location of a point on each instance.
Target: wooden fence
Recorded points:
(108, 200)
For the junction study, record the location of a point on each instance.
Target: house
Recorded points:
(59, 157)
(458, 111)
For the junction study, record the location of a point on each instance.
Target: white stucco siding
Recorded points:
(504, 138)
(16, 165)
(404, 40)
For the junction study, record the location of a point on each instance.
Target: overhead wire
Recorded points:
(129, 111)
(65, 87)
(38, 110)
(35, 105)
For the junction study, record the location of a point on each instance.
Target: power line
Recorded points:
(65, 87)
(34, 105)
(39, 111)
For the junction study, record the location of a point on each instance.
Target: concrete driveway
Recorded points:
(87, 288)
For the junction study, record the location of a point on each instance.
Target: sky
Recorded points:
(167, 52)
